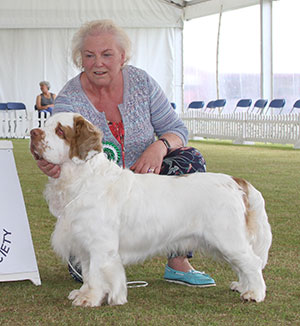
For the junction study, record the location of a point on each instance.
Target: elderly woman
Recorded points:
(45, 101)
(131, 109)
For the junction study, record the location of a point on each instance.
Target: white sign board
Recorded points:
(17, 257)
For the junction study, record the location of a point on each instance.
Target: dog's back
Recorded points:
(177, 210)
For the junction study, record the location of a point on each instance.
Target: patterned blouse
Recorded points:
(145, 112)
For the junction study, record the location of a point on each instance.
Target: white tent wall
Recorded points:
(35, 38)
(30, 56)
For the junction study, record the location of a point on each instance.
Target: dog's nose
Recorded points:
(35, 132)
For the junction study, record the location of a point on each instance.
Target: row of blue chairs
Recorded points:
(211, 106)
(244, 105)
(12, 106)
(260, 106)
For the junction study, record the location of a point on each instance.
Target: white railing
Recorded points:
(244, 127)
(18, 123)
(239, 127)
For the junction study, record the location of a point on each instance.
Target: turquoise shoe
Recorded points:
(191, 278)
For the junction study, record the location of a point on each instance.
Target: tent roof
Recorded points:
(129, 13)
(200, 8)
(48, 14)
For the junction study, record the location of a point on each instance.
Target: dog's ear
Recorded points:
(87, 140)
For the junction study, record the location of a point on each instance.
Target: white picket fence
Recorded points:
(18, 123)
(244, 127)
(239, 127)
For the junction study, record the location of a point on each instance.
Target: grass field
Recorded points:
(274, 170)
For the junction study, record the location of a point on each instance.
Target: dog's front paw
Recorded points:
(257, 296)
(237, 286)
(117, 300)
(86, 298)
(73, 294)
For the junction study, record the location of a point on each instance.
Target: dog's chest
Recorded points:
(58, 194)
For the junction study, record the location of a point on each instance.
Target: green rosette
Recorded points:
(112, 151)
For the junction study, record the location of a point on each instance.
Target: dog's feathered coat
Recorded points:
(108, 217)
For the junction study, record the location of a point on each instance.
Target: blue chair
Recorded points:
(44, 114)
(210, 107)
(276, 106)
(3, 120)
(259, 106)
(220, 104)
(296, 107)
(196, 105)
(17, 116)
(243, 105)
(3, 106)
(16, 106)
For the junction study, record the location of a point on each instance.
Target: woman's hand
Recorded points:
(51, 170)
(151, 159)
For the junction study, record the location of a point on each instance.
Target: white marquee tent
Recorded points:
(35, 39)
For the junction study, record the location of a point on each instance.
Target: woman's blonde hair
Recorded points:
(96, 27)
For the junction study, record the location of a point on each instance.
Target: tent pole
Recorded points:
(266, 49)
(217, 53)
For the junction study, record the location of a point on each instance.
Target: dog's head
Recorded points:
(66, 136)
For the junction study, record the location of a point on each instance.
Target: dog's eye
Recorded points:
(59, 131)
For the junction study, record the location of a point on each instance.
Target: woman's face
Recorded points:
(102, 58)
(44, 88)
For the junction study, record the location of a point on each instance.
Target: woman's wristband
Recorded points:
(166, 143)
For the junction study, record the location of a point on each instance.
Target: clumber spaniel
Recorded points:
(109, 217)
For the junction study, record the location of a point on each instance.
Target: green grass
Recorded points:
(274, 170)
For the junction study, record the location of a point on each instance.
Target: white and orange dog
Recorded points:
(109, 217)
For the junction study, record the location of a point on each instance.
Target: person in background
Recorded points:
(138, 122)
(45, 100)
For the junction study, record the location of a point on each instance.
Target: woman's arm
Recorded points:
(164, 119)
(166, 124)
(152, 157)
(39, 106)
(38, 103)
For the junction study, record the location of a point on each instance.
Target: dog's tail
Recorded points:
(258, 227)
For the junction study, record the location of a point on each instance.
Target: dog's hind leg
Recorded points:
(242, 285)
(248, 267)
